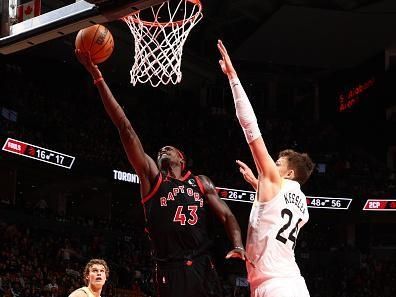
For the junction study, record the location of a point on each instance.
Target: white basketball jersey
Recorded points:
(87, 291)
(272, 233)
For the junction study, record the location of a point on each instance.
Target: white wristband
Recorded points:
(252, 133)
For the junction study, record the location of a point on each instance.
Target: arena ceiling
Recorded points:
(272, 35)
(321, 33)
(305, 34)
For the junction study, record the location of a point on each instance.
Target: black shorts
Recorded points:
(190, 278)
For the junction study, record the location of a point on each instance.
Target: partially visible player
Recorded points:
(95, 276)
(280, 209)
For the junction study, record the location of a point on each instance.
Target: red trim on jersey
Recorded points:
(200, 185)
(154, 190)
(187, 175)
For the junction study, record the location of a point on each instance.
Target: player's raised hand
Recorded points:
(225, 62)
(85, 59)
(247, 174)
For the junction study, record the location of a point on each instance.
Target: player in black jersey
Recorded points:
(176, 205)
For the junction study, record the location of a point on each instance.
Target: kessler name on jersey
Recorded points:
(181, 189)
(292, 198)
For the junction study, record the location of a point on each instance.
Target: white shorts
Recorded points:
(282, 287)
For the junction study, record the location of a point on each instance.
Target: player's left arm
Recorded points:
(226, 217)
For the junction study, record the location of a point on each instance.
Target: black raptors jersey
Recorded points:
(176, 214)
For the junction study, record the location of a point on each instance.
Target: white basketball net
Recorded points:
(159, 34)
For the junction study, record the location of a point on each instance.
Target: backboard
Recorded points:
(59, 18)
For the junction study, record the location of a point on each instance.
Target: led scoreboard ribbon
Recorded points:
(236, 195)
(380, 204)
(38, 153)
(312, 202)
(59, 159)
(328, 202)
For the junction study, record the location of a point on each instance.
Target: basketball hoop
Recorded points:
(159, 35)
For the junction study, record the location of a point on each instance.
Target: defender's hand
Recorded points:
(225, 62)
(247, 173)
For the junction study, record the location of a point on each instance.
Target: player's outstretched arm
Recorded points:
(144, 166)
(244, 111)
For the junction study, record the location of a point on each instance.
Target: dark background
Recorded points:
(295, 59)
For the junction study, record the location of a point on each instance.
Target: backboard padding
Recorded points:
(66, 20)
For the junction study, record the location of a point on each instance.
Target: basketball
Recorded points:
(97, 40)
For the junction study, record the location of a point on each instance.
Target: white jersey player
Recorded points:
(280, 208)
(96, 273)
